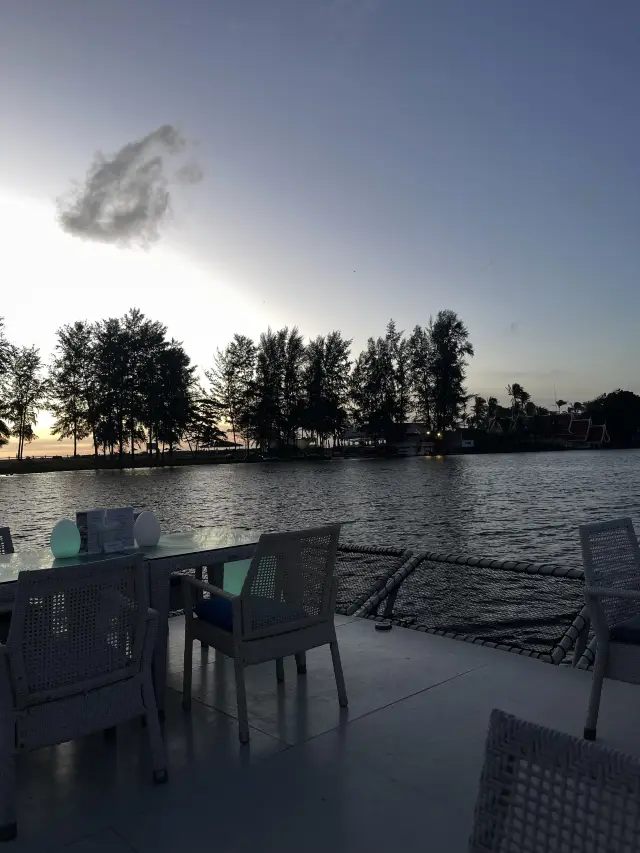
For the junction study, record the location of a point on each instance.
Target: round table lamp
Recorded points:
(65, 539)
(146, 530)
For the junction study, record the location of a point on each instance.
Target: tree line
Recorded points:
(125, 385)
(619, 410)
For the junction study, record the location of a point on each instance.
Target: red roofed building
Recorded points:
(582, 433)
(579, 429)
(598, 435)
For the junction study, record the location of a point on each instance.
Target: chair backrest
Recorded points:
(547, 792)
(289, 582)
(6, 543)
(611, 557)
(75, 628)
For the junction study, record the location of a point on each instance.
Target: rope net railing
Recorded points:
(362, 571)
(528, 608)
(524, 607)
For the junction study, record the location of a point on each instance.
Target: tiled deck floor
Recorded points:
(398, 770)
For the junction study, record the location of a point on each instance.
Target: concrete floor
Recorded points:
(398, 770)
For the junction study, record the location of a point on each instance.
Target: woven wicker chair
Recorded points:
(542, 791)
(6, 543)
(77, 660)
(286, 606)
(611, 559)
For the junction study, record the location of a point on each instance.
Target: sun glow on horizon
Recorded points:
(50, 278)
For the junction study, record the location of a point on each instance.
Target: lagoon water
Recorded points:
(522, 505)
(525, 506)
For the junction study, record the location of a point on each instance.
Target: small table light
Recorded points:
(146, 530)
(65, 539)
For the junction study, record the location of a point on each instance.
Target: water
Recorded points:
(522, 505)
(525, 506)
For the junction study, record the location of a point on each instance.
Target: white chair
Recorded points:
(611, 559)
(542, 791)
(6, 596)
(77, 660)
(6, 543)
(286, 607)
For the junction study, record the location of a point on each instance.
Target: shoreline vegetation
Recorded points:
(88, 462)
(134, 394)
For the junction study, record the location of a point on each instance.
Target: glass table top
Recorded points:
(204, 540)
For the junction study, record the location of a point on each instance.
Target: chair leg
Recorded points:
(241, 696)
(8, 824)
(337, 668)
(156, 743)
(596, 693)
(187, 673)
(279, 670)
(301, 663)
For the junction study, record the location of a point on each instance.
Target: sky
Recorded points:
(361, 159)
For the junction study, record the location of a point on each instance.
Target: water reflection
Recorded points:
(524, 505)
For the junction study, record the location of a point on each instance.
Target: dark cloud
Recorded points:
(125, 199)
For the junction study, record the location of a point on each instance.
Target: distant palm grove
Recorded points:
(125, 386)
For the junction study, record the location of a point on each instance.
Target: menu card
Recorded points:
(90, 524)
(117, 532)
(105, 530)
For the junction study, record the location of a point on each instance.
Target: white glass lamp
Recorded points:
(65, 539)
(146, 530)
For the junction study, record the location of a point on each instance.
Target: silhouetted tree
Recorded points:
(450, 349)
(26, 394)
(420, 351)
(202, 431)
(6, 353)
(231, 381)
(479, 412)
(325, 386)
(70, 383)
(620, 411)
(519, 398)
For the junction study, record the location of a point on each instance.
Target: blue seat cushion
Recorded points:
(218, 611)
(627, 631)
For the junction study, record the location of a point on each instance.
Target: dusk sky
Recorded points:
(362, 159)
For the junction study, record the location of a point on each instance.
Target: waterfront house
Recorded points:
(410, 439)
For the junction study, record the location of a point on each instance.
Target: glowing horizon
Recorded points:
(68, 279)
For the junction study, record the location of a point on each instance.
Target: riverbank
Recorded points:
(89, 462)
(44, 464)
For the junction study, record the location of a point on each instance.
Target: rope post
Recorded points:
(390, 602)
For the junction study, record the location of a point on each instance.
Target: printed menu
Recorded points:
(106, 530)
(117, 534)
(90, 524)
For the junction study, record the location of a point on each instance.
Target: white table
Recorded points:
(210, 546)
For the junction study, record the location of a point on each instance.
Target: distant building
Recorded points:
(565, 428)
(410, 439)
(405, 439)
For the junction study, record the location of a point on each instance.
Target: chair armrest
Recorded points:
(215, 591)
(608, 592)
